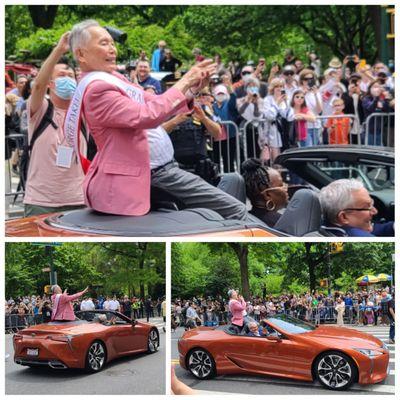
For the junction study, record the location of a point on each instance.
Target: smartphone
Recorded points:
(311, 83)
(283, 91)
(261, 61)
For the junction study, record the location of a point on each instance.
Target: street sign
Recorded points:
(47, 269)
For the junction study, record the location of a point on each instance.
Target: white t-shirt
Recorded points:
(161, 148)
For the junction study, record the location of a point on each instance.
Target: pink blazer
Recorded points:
(118, 180)
(236, 308)
(64, 310)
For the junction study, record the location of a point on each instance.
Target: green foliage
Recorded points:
(211, 268)
(110, 267)
(237, 32)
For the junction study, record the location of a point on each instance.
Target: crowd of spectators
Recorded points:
(363, 307)
(35, 309)
(299, 102)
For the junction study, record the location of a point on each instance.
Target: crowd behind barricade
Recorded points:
(241, 113)
(367, 307)
(277, 106)
(25, 311)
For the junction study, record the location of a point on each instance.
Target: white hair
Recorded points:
(80, 35)
(252, 81)
(338, 196)
(53, 288)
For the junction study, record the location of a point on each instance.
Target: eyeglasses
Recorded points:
(308, 78)
(283, 187)
(299, 97)
(288, 73)
(246, 73)
(369, 209)
(338, 105)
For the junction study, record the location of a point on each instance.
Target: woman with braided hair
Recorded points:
(265, 190)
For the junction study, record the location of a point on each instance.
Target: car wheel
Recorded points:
(96, 357)
(335, 370)
(153, 341)
(201, 364)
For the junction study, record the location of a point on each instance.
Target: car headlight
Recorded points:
(369, 353)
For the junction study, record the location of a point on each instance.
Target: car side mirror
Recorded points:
(274, 338)
(133, 323)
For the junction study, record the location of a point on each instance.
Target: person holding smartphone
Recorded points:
(312, 96)
(276, 109)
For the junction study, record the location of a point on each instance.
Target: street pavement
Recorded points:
(250, 384)
(139, 374)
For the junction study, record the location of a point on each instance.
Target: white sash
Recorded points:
(55, 306)
(73, 117)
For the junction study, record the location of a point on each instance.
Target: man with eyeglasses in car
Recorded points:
(348, 210)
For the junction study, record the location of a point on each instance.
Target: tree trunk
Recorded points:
(242, 251)
(43, 16)
(311, 266)
(142, 247)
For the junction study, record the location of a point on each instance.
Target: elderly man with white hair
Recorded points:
(62, 309)
(348, 210)
(134, 150)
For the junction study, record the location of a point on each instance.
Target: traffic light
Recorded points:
(47, 289)
(336, 247)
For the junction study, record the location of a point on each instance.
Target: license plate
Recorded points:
(32, 352)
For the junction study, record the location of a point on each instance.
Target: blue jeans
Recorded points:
(391, 330)
(311, 139)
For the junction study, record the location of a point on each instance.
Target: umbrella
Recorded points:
(384, 277)
(367, 279)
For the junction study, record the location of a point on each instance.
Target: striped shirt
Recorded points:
(161, 148)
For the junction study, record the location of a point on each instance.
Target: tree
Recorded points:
(43, 16)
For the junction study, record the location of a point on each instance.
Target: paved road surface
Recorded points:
(140, 374)
(262, 385)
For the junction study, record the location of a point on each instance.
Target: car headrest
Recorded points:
(233, 184)
(302, 215)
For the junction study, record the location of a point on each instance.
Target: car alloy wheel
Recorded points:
(153, 341)
(96, 357)
(335, 371)
(201, 364)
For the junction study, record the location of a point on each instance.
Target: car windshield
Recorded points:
(290, 324)
(374, 176)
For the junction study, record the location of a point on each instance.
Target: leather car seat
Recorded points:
(302, 215)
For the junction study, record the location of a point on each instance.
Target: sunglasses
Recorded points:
(246, 73)
(288, 73)
(299, 97)
(283, 187)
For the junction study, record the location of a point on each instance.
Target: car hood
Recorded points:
(344, 335)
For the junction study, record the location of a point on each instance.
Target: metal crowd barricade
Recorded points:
(16, 322)
(354, 129)
(221, 161)
(250, 127)
(379, 129)
(17, 141)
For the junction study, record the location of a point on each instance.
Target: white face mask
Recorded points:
(375, 92)
(221, 98)
(246, 77)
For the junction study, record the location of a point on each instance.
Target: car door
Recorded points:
(129, 338)
(261, 355)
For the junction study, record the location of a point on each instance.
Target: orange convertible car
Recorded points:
(89, 342)
(337, 357)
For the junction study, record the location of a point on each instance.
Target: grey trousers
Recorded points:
(194, 191)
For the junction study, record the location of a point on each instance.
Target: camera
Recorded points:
(116, 34)
(215, 79)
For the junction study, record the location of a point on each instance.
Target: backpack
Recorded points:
(44, 123)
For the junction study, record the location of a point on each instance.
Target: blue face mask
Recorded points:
(253, 90)
(65, 87)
